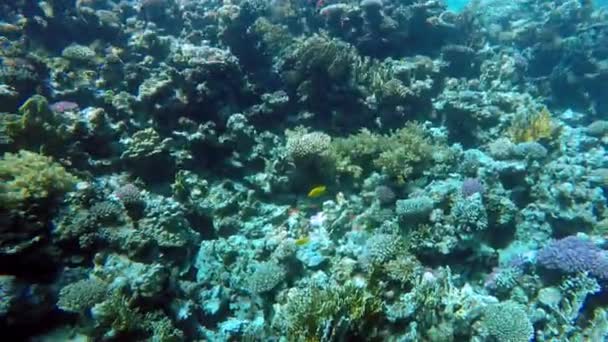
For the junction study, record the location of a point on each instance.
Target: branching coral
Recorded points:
(381, 248)
(314, 314)
(117, 314)
(35, 126)
(400, 154)
(320, 55)
(356, 153)
(31, 177)
(533, 126)
(406, 150)
(572, 255)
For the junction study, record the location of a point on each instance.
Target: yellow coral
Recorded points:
(533, 127)
(27, 177)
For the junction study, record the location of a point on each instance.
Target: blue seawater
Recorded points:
(456, 5)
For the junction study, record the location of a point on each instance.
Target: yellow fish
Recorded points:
(317, 191)
(302, 240)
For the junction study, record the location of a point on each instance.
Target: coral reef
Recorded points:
(383, 170)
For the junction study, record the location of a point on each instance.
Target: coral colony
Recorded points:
(302, 170)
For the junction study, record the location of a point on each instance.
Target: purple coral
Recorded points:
(131, 197)
(385, 194)
(471, 186)
(64, 106)
(571, 255)
(128, 194)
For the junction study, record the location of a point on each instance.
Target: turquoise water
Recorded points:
(456, 5)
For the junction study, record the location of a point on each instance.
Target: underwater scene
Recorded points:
(304, 170)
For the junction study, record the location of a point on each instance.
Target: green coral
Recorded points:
(120, 318)
(274, 37)
(355, 154)
(144, 144)
(315, 314)
(403, 269)
(30, 177)
(507, 322)
(35, 126)
(406, 150)
(319, 55)
(400, 154)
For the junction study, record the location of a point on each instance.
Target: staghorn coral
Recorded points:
(29, 177)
